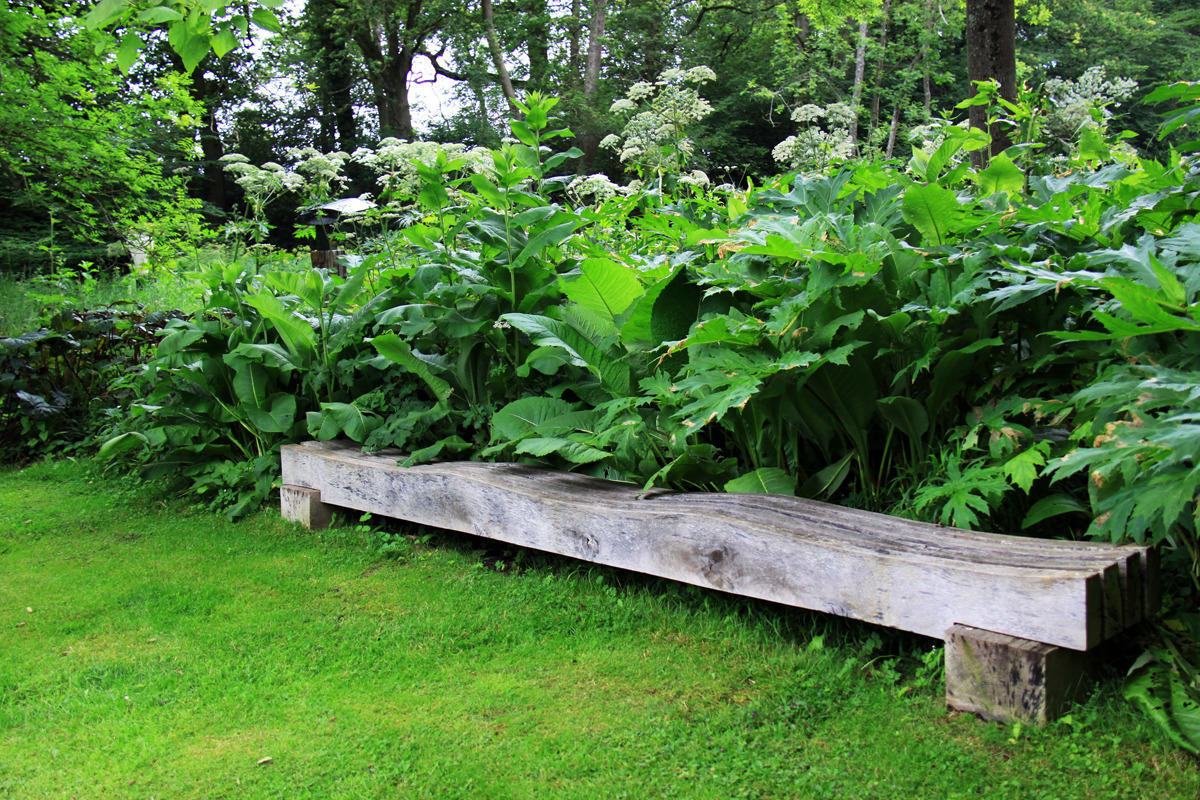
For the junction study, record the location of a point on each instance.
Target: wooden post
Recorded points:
(298, 504)
(328, 259)
(1007, 679)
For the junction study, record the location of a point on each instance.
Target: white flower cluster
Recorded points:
(395, 163)
(598, 187)
(928, 137)
(1077, 105)
(824, 138)
(654, 138)
(315, 173)
(261, 184)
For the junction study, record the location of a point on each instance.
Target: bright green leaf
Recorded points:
(932, 210)
(224, 41)
(1001, 175)
(266, 19)
(765, 480)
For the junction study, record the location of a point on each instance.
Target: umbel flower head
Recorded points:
(823, 138)
(395, 163)
(654, 138)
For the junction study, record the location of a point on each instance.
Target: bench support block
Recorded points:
(1005, 678)
(298, 504)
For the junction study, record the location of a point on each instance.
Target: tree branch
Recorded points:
(489, 23)
(454, 75)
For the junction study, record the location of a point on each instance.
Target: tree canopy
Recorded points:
(99, 98)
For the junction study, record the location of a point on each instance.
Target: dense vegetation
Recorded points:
(1002, 339)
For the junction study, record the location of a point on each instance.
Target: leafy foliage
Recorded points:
(86, 162)
(58, 383)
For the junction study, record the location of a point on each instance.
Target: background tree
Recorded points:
(1154, 42)
(992, 55)
(327, 52)
(86, 154)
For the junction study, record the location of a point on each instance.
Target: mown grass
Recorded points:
(153, 651)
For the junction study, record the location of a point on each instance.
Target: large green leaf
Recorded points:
(524, 415)
(450, 444)
(665, 311)
(190, 43)
(1001, 175)
(156, 15)
(1022, 468)
(335, 419)
(604, 286)
(297, 334)
(251, 383)
(224, 41)
(1052, 506)
(905, 414)
(106, 11)
(1162, 694)
(932, 210)
(548, 237)
(828, 479)
(278, 418)
(265, 18)
(121, 443)
(127, 53)
(490, 192)
(179, 339)
(569, 449)
(398, 351)
(581, 346)
(764, 480)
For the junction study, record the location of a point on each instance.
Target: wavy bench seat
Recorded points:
(1011, 609)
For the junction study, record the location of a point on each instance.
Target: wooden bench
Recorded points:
(1017, 614)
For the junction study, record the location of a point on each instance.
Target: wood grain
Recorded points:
(1007, 678)
(303, 505)
(872, 567)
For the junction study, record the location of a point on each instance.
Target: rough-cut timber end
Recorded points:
(1008, 679)
(298, 504)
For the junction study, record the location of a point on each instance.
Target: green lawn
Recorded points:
(149, 651)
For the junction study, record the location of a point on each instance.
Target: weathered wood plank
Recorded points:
(303, 505)
(1006, 678)
(911, 576)
(1152, 589)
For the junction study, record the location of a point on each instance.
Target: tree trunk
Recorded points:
(657, 54)
(860, 69)
(391, 96)
(389, 42)
(892, 132)
(590, 140)
(991, 55)
(876, 92)
(803, 26)
(215, 185)
(925, 67)
(489, 24)
(591, 73)
(485, 124)
(335, 77)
